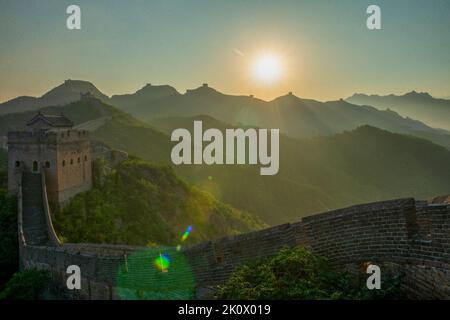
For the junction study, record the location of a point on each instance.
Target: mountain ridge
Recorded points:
(67, 92)
(417, 105)
(316, 174)
(294, 116)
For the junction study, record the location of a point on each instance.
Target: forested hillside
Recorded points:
(142, 204)
(319, 174)
(316, 174)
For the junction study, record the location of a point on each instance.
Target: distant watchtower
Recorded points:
(50, 145)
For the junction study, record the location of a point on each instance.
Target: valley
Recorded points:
(317, 173)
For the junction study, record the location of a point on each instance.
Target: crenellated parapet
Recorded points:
(401, 236)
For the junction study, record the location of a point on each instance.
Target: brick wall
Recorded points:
(399, 235)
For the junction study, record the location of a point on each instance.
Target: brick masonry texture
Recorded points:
(401, 235)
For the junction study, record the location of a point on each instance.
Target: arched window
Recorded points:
(47, 164)
(71, 161)
(17, 164)
(78, 160)
(35, 166)
(85, 158)
(64, 163)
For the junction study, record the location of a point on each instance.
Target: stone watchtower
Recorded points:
(51, 146)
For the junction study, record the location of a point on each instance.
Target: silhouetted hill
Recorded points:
(148, 93)
(138, 202)
(319, 174)
(299, 118)
(67, 92)
(316, 174)
(78, 112)
(421, 106)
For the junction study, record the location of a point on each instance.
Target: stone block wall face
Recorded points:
(74, 169)
(399, 236)
(26, 153)
(64, 156)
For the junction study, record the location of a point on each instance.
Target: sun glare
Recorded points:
(268, 69)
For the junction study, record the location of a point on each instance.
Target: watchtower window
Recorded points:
(35, 166)
(17, 164)
(47, 164)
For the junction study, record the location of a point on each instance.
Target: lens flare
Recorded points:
(187, 233)
(162, 262)
(141, 277)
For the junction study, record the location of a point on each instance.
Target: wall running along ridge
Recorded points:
(401, 235)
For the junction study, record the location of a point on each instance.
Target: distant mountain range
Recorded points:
(294, 116)
(65, 93)
(316, 174)
(422, 106)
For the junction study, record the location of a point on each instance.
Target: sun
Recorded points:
(268, 68)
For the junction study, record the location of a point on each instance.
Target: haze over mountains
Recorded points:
(63, 94)
(433, 111)
(323, 173)
(294, 116)
(316, 174)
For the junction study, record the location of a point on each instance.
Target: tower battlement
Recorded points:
(50, 145)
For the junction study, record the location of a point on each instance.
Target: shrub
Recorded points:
(296, 273)
(25, 285)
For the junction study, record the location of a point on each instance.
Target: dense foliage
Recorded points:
(140, 203)
(316, 175)
(3, 159)
(320, 174)
(8, 237)
(296, 273)
(25, 285)
(3, 169)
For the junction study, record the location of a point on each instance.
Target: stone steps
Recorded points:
(33, 216)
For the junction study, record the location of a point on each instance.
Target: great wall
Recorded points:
(401, 236)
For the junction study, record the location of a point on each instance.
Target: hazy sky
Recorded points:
(324, 46)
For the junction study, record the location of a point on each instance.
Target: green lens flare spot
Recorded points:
(156, 273)
(162, 262)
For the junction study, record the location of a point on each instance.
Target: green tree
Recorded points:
(25, 285)
(137, 202)
(298, 274)
(9, 249)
